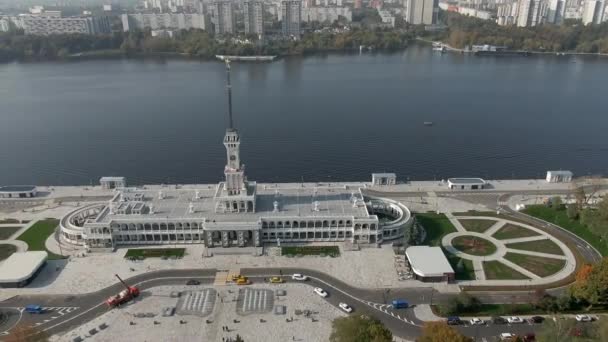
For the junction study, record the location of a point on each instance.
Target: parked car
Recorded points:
(537, 319)
(400, 304)
(583, 318)
(193, 282)
(514, 320)
(507, 336)
(298, 276)
(454, 320)
(243, 281)
(320, 292)
(345, 307)
(277, 280)
(477, 321)
(499, 320)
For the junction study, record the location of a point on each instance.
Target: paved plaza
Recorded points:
(143, 319)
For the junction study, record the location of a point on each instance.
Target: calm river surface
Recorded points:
(323, 118)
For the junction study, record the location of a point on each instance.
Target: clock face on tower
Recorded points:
(232, 157)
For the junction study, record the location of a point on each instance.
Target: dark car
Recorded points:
(537, 319)
(193, 282)
(499, 320)
(454, 320)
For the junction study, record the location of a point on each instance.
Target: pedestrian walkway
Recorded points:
(502, 250)
(455, 222)
(220, 278)
(21, 245)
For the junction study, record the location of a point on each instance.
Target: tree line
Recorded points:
(571, 36)
(194, 43)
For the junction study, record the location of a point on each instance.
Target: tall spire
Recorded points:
(229, 90)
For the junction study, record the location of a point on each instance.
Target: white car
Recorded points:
(514, 320)
(298, 276)
(583, 318)
(345, 307)
(320, 292)
(477, 321)
(507, 336)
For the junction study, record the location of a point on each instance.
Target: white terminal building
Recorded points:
(236, 212)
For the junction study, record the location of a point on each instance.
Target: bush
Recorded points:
(572, 211)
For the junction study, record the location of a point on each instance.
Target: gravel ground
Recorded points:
(274, 327)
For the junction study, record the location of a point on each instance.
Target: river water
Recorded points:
(320, 118)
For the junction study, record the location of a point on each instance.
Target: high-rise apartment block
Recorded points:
(223, 17)
(254, 17)
(45, 25)
(422, 12)
(158, 21)
(594, 12)
(556, 12)
(291, 14)
(531, 12)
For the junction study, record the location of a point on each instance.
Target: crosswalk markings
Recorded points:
(220, 278)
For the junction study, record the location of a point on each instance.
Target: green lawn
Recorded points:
(332, 251)
(436, 227)
(155, 253)
(473, 245)
(463, 267)
(511, 231)
(497, 270)
(540, 266)
(542, 246)
(6, 232)
(37, 234)
(6, 250)
(560, 218)
(474, 225)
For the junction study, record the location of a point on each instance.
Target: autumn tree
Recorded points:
(591, 284)
(441, 332)
(359, 328)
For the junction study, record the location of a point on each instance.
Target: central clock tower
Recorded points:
(234, 171)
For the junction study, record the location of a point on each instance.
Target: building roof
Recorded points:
(428, 261)
(18, 188)
(112, 179)
(21, 265)
(466, 181)
(560, 173)
(294, 200)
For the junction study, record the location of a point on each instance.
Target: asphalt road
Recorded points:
(373, 302)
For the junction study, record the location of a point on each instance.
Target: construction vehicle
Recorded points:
(123, 296)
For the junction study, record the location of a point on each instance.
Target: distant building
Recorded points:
(291, 14)
(107, 8)
(466, 183)
(506, 13)
(422, 12)
(45, 25)
(164, 21)
(254, 17)
(387, 18)
(559, 176)
(556, 12)
(224, 19)
(531, 12)
(18, 191)
(5, 24)
(326, 14)
(358, 4)
(593, 12)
